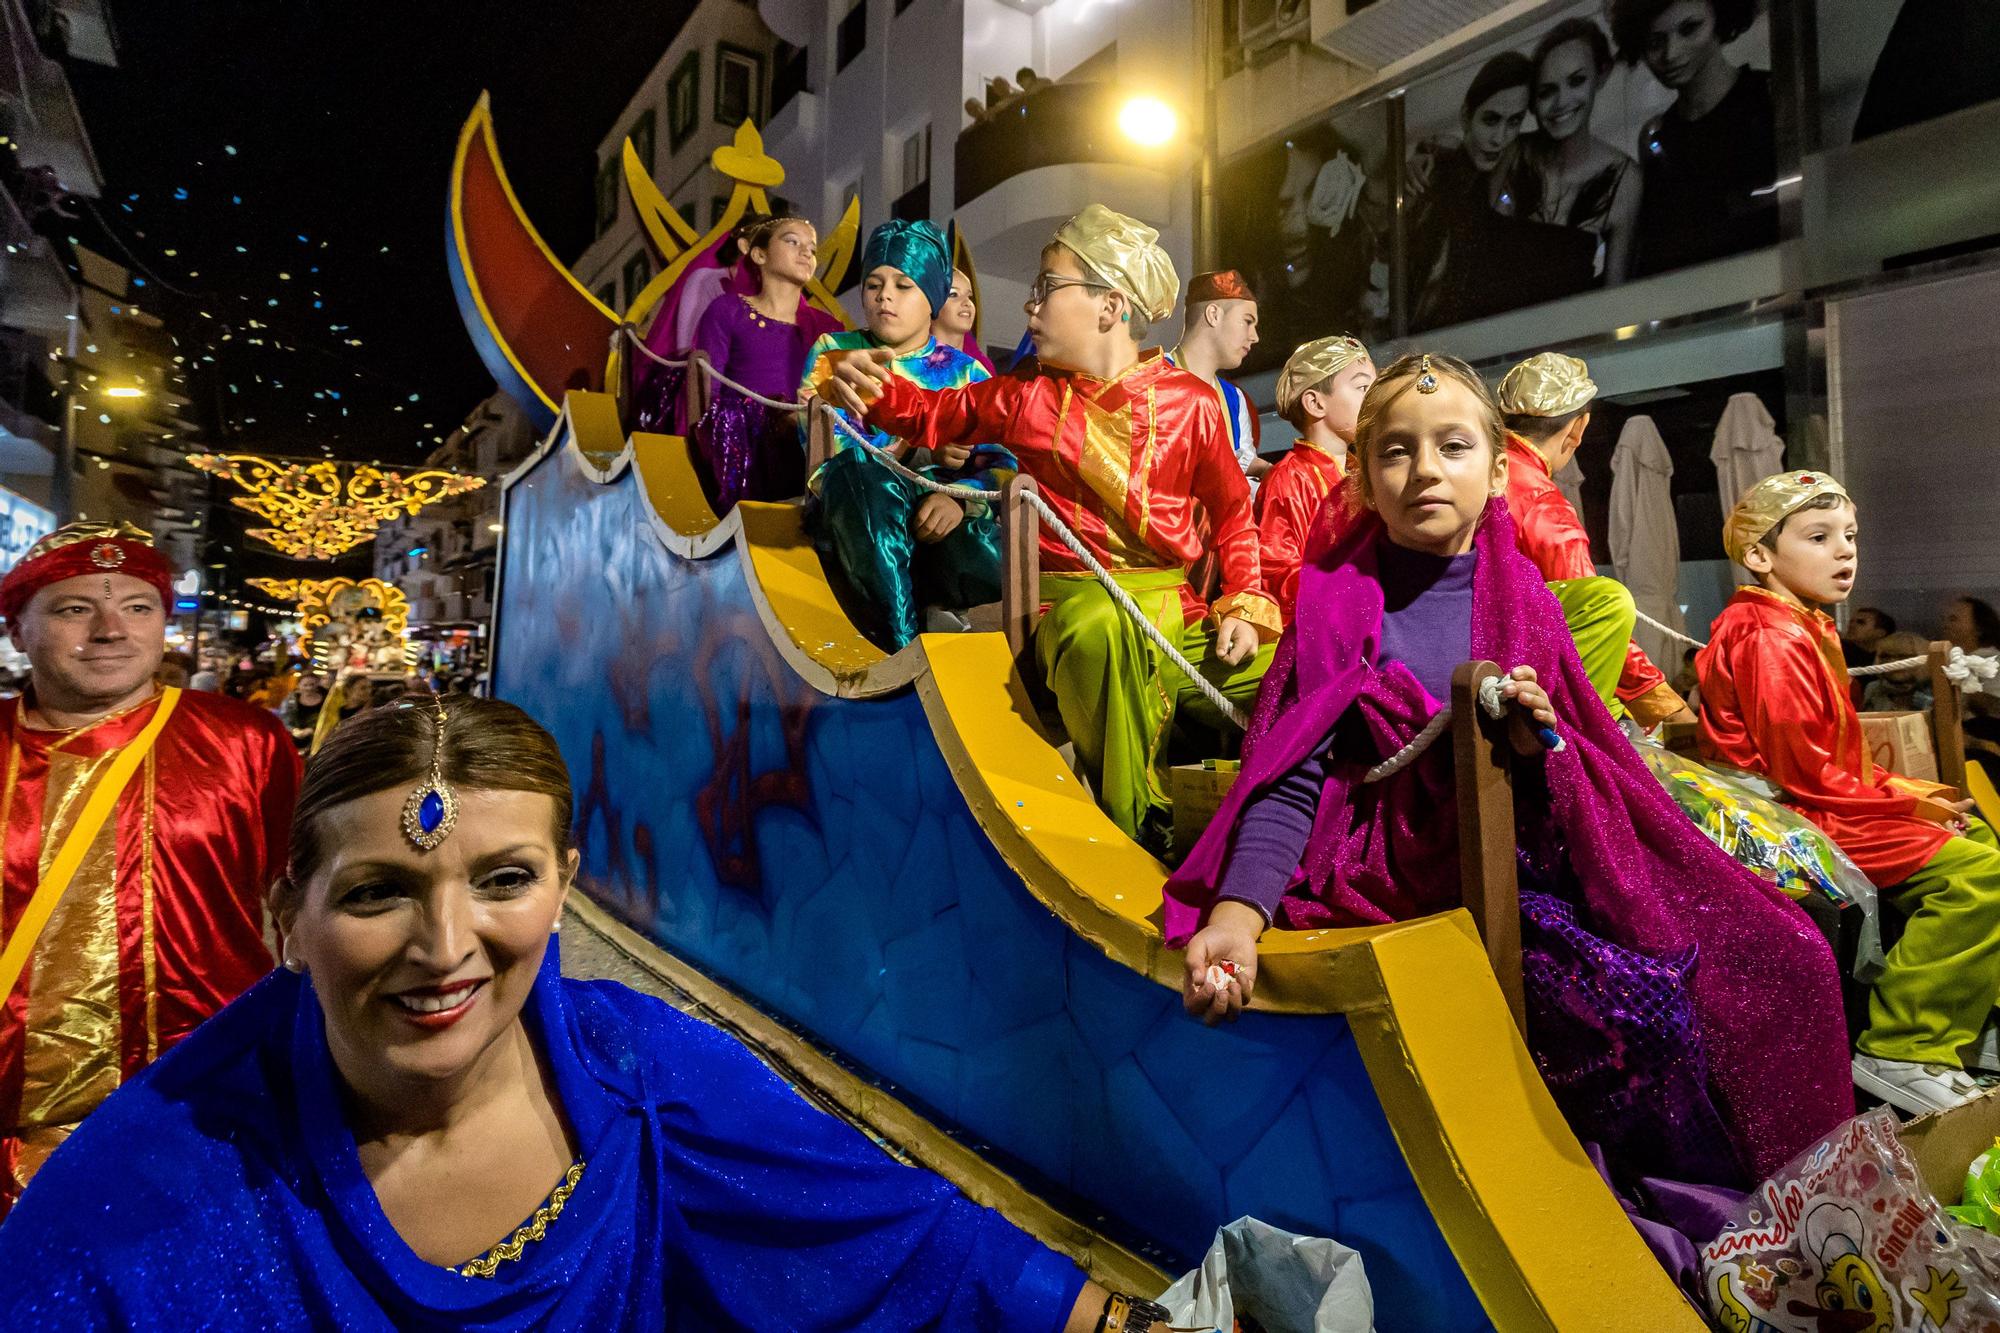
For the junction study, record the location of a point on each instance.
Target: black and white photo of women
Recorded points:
(1560, 172)
(1708, 161)
(1447, 184)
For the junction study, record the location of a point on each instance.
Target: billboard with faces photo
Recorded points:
(1306, 221)
(1612, 141)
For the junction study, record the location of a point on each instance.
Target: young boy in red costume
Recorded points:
(1134, 456)
(1319, 392)
(1775, 700)
(1545, 403)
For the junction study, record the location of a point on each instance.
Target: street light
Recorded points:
(123, 391)
(1148, 122)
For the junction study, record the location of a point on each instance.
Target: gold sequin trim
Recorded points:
(533, 1229)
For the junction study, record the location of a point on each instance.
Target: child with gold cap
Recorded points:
(1319, 393)
(1133, 455)
(1775, 700)
(1545, 405)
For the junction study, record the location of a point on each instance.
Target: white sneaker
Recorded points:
(1916, 1088)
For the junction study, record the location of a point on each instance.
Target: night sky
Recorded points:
(243, 140)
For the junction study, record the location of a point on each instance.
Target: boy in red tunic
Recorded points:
(1545, 403)
(1775, 700)
(161, 922)
(1134, 456)
(1319, 392)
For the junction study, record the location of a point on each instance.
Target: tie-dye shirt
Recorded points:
(933, 366)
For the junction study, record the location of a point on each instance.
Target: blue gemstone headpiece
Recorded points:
(432, 809)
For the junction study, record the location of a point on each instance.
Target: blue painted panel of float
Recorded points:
(815, 854)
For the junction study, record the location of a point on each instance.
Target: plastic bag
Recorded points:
(1739, 816)
(1981, 1206)
(1286, 1283)
(1847, 1236)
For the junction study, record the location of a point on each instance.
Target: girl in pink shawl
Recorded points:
(1686, 1015)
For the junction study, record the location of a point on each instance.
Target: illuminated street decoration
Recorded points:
(346, 622)
(315, 512)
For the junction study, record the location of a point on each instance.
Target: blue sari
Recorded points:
(221, 1189)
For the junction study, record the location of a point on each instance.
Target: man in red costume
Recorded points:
(1319, 392)
(143, 827)
(1133, 455)
(1219, 328)
(1545, 402)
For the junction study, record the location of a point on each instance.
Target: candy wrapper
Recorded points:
(1846, 1237)
(1981, 1205)
(1779, 844)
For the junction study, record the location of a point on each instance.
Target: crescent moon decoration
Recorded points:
(538, 330)
(320, 603)
(753, 172)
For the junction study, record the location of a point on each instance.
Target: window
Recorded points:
(608, 294)
(739, 85)
(902, 5)
(607, 195)
(683, 99)
(638, 272)
(641, 136)
(852, 35)
(789, 70)
(716, 207)
(916, 158)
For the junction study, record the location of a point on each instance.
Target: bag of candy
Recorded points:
(1847, 1236)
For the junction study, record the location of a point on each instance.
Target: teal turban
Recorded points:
(918, 249)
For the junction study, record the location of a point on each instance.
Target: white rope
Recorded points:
(1490, 701)
(1970, 672)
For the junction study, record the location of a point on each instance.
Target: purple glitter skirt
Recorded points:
(1614, 1035)
(748, 452)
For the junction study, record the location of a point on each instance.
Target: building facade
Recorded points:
(716, 74)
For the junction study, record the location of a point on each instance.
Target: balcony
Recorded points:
(1058, 124)
(914, 204)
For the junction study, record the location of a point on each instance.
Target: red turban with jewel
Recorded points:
(85, 548)
(1228, 285)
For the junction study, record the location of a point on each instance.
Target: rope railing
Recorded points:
(1970, 672)
(977, 495)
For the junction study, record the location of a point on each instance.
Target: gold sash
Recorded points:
(103, 800)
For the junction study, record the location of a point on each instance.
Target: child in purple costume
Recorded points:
(1650, 952)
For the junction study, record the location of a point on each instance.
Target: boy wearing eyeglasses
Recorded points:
(1131, 453)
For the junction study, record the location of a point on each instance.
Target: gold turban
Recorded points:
(1313, 364)
(1769, 503)
(1125, 255)
(1547, 384)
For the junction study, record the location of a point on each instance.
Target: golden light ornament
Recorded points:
(315, 512)
(321, 602)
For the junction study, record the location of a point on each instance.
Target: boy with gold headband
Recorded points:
(1775, 700)
(1319, 392)
(1545, 405)
(1133, 455)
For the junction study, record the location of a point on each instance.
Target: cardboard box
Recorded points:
(1901, 743)
(1944, 1143)
(1197, 791)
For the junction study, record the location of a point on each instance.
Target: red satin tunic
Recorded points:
(164, 922)
(1774, 699)
(1131, 464)
(1550, 534)
(1288, 502)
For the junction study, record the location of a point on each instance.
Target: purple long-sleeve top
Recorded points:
(1427, 626)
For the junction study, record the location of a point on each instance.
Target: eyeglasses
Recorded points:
(1046, 283)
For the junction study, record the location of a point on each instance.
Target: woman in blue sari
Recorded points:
(419, 1123)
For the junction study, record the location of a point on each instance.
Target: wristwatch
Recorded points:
(1129, 1314)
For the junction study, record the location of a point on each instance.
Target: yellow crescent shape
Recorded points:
(838, 250)
(663, 222)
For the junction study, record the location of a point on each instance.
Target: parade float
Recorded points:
(883, 859)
